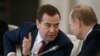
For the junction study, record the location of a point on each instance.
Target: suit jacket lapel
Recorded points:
(95, 29)
(52, 44)
(34, 32)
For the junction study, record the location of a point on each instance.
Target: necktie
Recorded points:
(42, 48)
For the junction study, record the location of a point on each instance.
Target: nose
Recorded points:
(52, 29)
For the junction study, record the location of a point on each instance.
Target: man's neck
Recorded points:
(86, 30)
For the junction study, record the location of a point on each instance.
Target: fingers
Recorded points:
(26, 46)
(27, 41)
(30, 36)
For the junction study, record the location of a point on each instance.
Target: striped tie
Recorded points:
(42, 48)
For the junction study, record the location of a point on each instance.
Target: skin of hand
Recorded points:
(27, 44)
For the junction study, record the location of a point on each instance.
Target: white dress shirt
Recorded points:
(37, 44)
(81, 41)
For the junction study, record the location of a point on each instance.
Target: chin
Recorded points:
(51, 39)
(79, 38)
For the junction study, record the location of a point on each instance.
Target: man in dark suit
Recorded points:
(85, 26)
(3, 29)
(31, 37)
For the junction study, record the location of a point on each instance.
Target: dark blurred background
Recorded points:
(18, 11)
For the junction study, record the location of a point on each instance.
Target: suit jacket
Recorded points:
(3, 29)
(91, 46)
(16, 37)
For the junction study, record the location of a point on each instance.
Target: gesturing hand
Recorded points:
(26, 44)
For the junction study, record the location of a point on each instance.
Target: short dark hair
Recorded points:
(48, 9)
(85, 14)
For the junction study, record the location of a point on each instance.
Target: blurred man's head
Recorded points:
(82, 17)
(48, 18)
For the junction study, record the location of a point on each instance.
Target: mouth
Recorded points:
(51, 35)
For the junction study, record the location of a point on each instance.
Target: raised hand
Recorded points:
(27, 44)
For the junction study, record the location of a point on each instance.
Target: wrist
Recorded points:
(27, 53)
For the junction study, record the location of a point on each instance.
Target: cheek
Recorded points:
(56, 30)
(74, 29)
(44, 31)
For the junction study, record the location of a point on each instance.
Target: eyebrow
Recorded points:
(55, 24)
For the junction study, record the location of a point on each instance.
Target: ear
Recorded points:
(78, 22)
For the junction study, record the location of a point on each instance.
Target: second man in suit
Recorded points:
(84, 25)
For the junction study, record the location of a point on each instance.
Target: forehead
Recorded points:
(51, 19)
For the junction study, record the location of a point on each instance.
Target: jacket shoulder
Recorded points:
(64, 39)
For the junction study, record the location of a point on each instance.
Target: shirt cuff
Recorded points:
(11, 53)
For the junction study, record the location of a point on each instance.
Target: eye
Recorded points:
(47, 25)
(56, 26)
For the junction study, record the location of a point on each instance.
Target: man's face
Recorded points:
(49, 27)
(75, 27)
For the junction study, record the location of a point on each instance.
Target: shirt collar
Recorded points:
(39, 38)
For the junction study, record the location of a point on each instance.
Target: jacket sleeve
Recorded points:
(3, 29)
(15, 37)
(10, 40)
